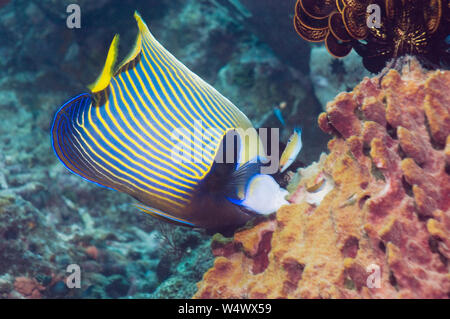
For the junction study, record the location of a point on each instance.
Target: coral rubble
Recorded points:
(382, 230)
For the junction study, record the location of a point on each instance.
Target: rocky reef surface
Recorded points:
(49, 218)
(331, 76)
(369, 220)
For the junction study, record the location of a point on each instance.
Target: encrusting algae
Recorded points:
(383, 229)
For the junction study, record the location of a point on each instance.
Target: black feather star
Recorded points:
(407, 27)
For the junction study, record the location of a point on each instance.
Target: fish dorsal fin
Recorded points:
(107, 73)
(132, 57)
(155, 49)
(109, 69)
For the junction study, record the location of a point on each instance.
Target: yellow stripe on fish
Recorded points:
(131, 132)
(108, 70)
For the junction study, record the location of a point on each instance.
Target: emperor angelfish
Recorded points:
(133, 131)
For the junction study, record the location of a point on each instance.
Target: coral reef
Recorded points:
(377, 224)
(28, 288)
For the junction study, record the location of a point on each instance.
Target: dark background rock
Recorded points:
(272, 22)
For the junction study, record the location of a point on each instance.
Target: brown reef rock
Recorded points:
(369, 220)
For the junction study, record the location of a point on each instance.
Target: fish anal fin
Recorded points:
(105, 76)
(164, 216)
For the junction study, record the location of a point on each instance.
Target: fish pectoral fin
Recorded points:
(164, 216)
(106, 75)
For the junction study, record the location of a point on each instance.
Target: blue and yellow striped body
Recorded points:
(124, 135)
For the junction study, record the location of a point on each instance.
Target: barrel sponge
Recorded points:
(386, 213)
